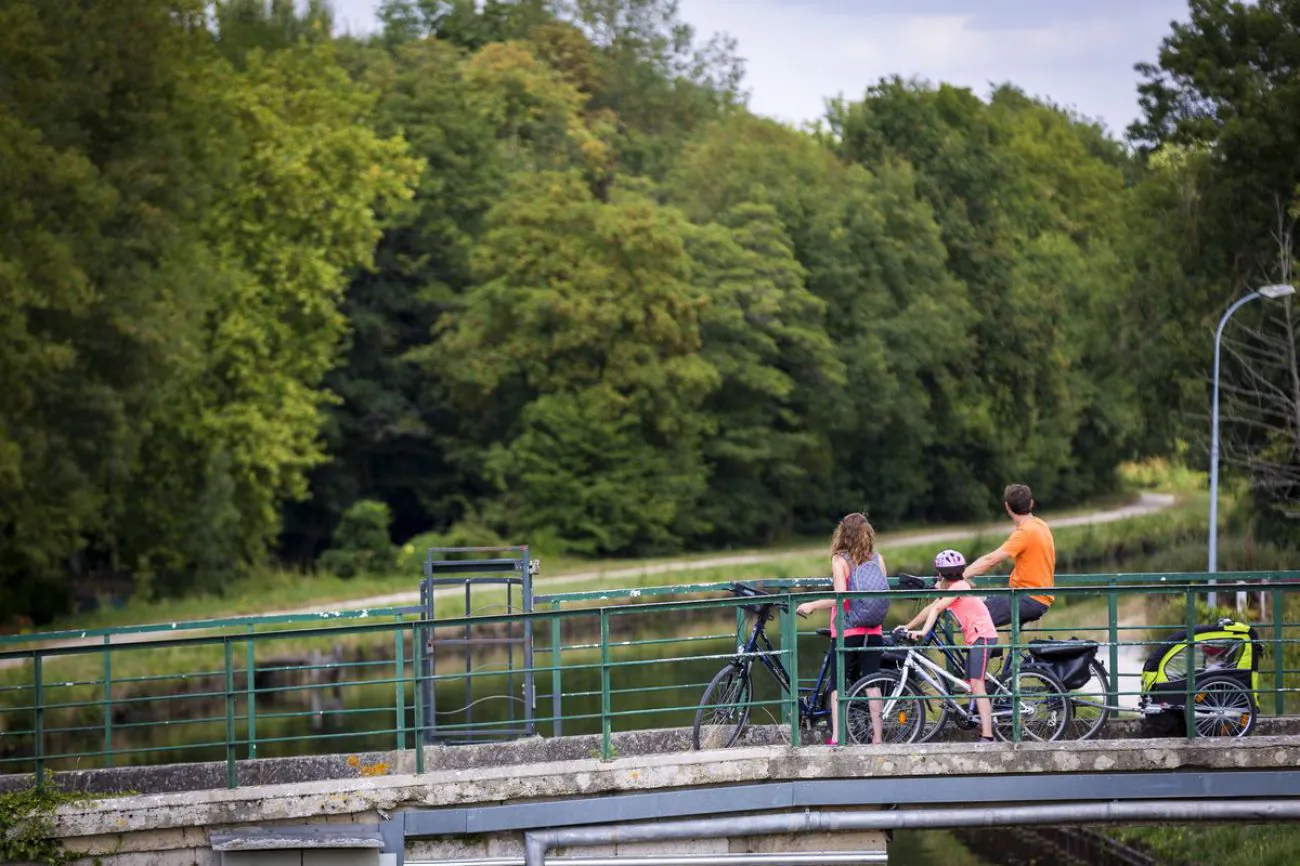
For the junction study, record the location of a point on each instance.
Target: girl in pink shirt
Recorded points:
(976, 627)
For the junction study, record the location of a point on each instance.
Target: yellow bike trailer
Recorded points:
(1224, 661)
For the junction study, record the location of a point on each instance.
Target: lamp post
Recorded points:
(1271, 293)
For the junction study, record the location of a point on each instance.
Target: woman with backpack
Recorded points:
(855, 567)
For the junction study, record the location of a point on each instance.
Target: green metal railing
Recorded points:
(229, 624)
(615, 660)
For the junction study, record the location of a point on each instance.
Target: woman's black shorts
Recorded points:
(861, 657)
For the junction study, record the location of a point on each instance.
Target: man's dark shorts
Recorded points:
(1000, 609)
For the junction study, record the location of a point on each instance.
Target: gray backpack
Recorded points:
(868, 611)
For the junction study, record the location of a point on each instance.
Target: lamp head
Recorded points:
(1280, 290)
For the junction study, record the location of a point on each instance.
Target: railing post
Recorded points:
(399, 677)
(842, 704)
(1189, 707)
(1279, 661)
(790, 647)
(605, 749)
(38, 722)
(557, 685)
(1112, 611)
(108, 702)
(417, 668)
(250, 665)
(1015, 666)
(231, 780)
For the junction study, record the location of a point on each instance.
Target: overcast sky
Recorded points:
(1078, 53)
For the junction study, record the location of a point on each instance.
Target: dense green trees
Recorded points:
(531, 267)
(1221, 134)
(177, 236)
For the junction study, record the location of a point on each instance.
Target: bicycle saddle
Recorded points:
(747, 591)
(911, 581)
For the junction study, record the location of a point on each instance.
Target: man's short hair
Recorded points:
(1019, 498)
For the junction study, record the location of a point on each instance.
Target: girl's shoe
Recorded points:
(831, 742)
(987, 740)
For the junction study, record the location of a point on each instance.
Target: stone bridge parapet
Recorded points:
(176, 826)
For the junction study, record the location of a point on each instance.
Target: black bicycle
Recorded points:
(724, 710)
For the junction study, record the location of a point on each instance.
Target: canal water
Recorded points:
(932, 848)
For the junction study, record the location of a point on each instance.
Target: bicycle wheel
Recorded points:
(1224, 708)
(1089, 704)
(724, 709)
(901, 707)
(1044, 706)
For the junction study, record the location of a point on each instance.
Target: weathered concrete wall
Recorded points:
(282, 771)
(173, 827)
(169, 778)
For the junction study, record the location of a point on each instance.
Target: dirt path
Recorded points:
(1147, 503)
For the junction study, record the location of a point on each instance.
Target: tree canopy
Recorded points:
(532, 267)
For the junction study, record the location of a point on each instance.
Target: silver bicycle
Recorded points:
(915, 686)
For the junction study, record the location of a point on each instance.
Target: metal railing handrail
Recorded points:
(611, 610)
(59, 712)
(238, 621)
(1062, 580)
(245, 621)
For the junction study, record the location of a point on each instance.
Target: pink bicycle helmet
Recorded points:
(949, 564)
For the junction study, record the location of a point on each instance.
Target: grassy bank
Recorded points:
(1166, 541)
(281, 590)
(1101, 546)
(1216, 845)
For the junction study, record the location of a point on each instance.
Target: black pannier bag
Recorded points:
(1068, 659)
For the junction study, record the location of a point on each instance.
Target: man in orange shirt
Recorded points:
(1034, 552)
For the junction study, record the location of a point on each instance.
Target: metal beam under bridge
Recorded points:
(917, 795)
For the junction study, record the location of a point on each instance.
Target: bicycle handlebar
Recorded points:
(900, 634)
(744, 590)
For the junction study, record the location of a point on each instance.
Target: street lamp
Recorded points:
(1272, 293)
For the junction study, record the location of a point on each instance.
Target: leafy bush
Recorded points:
(27, 824)
(1159, 473)
(361, 544)
(469, 532)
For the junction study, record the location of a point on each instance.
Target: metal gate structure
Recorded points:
(474, 569)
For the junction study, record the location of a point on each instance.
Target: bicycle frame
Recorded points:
(767, 654)
(759, 646)
(922, 667)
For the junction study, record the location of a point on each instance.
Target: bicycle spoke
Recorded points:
(1223, 709)
(901, 710)
(724, 709)
(1044, 709)
(1089, 710)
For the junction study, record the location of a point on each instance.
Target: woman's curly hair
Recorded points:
(855, 537)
